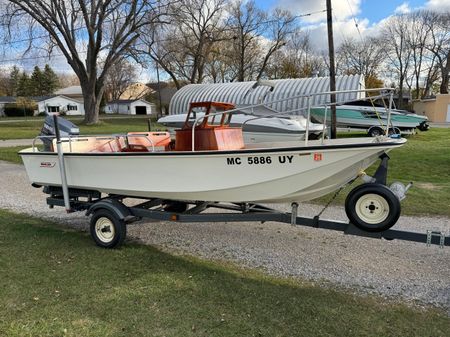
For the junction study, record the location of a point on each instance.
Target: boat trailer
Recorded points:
(110, 216)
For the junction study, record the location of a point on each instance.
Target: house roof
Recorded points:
(13, 99)
(128, 101)
(45, 98)
(73, 90)
(8, 99)
(42, 98)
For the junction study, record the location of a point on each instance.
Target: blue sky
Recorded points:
(373, 10)
(369, 15)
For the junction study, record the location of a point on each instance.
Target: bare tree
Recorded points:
(121, 75)
(394, 39)
(417, 37)
(247, 23)
(181, 49)
(360, 57)
(257, 36)
(280, 27)
(297, 59)
(85, 31)
(439, 45)
(67, 80)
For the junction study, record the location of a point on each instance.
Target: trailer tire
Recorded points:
(424, 126)
(375, 131)
(107, 229)
(372, 207)
(394, 131)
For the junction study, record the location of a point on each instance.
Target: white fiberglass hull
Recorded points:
(278, 174)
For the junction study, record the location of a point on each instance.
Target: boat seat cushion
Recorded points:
(217, 138)
(149, 140)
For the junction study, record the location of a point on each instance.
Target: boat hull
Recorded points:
(284, 174)
(365, 117)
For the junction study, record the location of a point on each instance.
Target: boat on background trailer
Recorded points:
(209, 164)
(371, 117)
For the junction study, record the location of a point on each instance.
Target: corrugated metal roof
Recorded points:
(241, 94)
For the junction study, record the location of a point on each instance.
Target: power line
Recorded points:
(354, 20)
(84, 52)
(111, 20)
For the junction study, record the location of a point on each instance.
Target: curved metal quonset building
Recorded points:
(241, 93)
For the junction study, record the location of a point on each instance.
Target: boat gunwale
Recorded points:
(225, 152)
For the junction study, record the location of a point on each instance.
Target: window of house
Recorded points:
(51, 108)
(71, 107)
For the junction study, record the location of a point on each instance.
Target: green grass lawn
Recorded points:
(55, 282)
(107, 125)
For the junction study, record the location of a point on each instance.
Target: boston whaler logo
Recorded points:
(48, 164)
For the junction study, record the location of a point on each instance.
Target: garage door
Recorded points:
(141, 110)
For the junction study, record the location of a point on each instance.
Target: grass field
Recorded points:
(107, 125)
(55, 282)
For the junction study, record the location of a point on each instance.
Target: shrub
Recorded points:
(13, 110)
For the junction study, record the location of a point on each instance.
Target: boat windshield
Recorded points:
(214, 114)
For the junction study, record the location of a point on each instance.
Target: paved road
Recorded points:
(15, 142)
(393, 269)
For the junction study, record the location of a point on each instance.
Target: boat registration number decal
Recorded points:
(317, 156)
(260, 160)
(48, 164)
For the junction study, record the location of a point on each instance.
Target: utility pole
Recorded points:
(332, 69)
(159, 90)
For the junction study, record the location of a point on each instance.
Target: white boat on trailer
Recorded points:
(209, 164)
(262, 125)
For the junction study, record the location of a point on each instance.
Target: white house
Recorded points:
(130, 107)
(60, 104)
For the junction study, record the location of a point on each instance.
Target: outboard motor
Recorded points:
(66, 128)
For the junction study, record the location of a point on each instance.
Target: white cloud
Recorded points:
(344, 17)
(403, 9)
(342, 9)
(342, 30)
(438, 5)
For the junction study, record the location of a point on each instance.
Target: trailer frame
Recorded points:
(156, 209)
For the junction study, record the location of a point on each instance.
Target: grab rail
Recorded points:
(389, 91)
(71, 138)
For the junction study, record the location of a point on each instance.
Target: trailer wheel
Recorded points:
(375, 131)
(394, 131)
(424, 126)
(372, 207)
(107, 230)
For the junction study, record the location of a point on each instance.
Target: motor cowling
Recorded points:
(66, 128)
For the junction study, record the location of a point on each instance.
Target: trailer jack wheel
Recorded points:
(107, 229)
(372, 207)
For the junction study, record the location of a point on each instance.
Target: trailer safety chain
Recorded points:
(334, 197)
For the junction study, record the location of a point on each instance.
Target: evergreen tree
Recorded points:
(13, 81)
(50, 81)
(36, 82)
(23, 86)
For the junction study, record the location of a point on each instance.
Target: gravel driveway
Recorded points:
(394, 269)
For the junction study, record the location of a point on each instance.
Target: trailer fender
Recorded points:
(112, 205)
